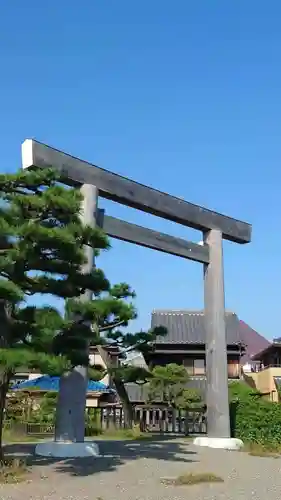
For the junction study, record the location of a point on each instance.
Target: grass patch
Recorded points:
(10, 437)
(124, 434)
(262, 450)
(12, 470)
(190, 479)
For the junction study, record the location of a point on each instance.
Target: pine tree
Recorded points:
(170, 385)
(42, 243)
(28, 236)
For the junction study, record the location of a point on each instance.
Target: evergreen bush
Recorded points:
(253, 419)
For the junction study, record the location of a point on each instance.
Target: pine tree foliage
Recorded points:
(169, 384)
(41, 252)
(42, 242)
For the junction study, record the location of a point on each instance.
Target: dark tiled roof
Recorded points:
(139, 393)
(187, 327)
(269, 350)
(253, 341)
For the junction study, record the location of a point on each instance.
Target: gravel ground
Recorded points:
(133, 470)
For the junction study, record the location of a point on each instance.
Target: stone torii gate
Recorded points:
(215, 227)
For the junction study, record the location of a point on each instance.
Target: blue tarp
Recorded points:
(47, 383)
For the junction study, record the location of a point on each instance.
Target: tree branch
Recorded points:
(111, 326)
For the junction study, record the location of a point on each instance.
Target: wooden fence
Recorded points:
(156, 419)
(149, 418)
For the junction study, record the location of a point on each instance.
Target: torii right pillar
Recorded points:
(218, 419)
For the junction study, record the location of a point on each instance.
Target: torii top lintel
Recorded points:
(132, 194)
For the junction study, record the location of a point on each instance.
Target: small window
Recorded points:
(199, 367)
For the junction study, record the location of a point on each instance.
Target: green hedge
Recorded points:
(253, 419)
(256, 421)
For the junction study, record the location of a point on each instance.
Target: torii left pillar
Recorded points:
(70, 418)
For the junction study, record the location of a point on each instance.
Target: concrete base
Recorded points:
(59, 449)
(222, 443)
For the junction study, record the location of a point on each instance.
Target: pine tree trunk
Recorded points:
(5, 376)
(70, 412)
(121, 390)
(126, 403)
(4, 387)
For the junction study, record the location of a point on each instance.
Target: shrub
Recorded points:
(239, 390)
(256, 421)
(44, 409)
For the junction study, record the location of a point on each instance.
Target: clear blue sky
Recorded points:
(183, 96)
